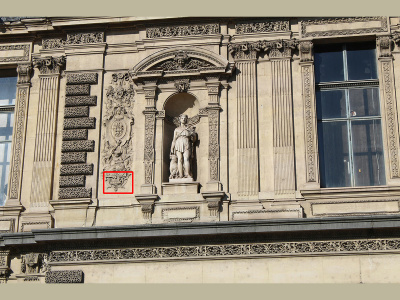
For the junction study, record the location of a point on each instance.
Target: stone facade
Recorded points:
(191, 144)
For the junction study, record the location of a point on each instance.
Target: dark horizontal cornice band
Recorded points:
(200, 229)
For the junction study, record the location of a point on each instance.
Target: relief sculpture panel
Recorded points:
(117, 133)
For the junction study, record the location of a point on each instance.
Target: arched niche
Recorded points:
(174, 106)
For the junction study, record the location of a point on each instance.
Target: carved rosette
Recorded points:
(117, 136)
(49, 65)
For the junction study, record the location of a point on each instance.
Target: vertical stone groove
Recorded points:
(247, 129)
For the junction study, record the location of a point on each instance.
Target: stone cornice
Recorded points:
(202, 229)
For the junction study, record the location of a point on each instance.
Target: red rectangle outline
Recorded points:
(104, 192)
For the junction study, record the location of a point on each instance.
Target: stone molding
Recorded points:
(182, 30)
(259, 27)
(10, 59)
(166, 218)
(348, 247)
(361, 30)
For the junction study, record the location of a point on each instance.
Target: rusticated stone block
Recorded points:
(77, 146)
(68, 276)
(76, 112)
(74, 90)
(74, 192)
(75, 134)
(81, 169)
(73, 157)
(72, 181)
(80, 123)
(80, 101)
(88, 78)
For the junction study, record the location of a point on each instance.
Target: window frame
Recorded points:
(347, 85)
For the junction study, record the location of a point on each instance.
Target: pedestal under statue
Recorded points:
(182, 151)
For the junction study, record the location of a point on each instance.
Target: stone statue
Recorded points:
(182, 150)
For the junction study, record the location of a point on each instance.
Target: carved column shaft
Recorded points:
(247, 135)
(309, 102)
(282, 106)
(390, 103)
(149, 151)
(45, 129)
(18, 146)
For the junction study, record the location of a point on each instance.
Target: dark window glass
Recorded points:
(8, 89)
(361, 61)
(331, 104)
(329, 63)
(364, 102)
(368, 153)
(334, 152)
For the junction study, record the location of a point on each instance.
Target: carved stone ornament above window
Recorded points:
(175, 62)
(73, 39)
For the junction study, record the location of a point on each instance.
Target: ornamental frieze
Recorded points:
(117, 136)
(181, 61)
(185, 30)
(258, 27)
(73, 39)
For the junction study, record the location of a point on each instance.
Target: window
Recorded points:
(349, 116)
(8, 89)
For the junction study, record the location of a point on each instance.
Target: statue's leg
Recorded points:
(186, 161)
(180, 164)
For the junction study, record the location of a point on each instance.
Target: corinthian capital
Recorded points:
(49, 65)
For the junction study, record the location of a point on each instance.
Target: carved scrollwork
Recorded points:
(182, 85)
(84, 38)
(385, 44)
(24, 73)
(67, 276)
(117, 136)
(49, 65)
(181, 61)
(185, 30)
(257, 27)
(34, 263)
(278, 48)
(305, 49)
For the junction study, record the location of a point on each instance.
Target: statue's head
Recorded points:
(183, 118)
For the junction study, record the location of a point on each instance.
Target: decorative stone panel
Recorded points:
(75, 134)
(77, 146)
(73, 90)
(81, 169)
(73, 157)
(82, 78)
(84, 38)
(184, 30)
(258, 27)
(70, 276)
(14, 53)
(76, 112)
(72, 181)
(80, 123)
(74, 193)
(80, 101)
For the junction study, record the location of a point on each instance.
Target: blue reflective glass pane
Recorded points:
(361, 61)
(364, 102)
(6, 125)
(334, 154)
(8, 90)
(369, 168)
(328, 61)
(5, 151)
(331, 104)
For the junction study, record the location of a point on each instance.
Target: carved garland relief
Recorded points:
(117, 136)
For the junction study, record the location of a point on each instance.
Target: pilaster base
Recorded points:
(73, 213)
(170, 188)
(35, 220)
